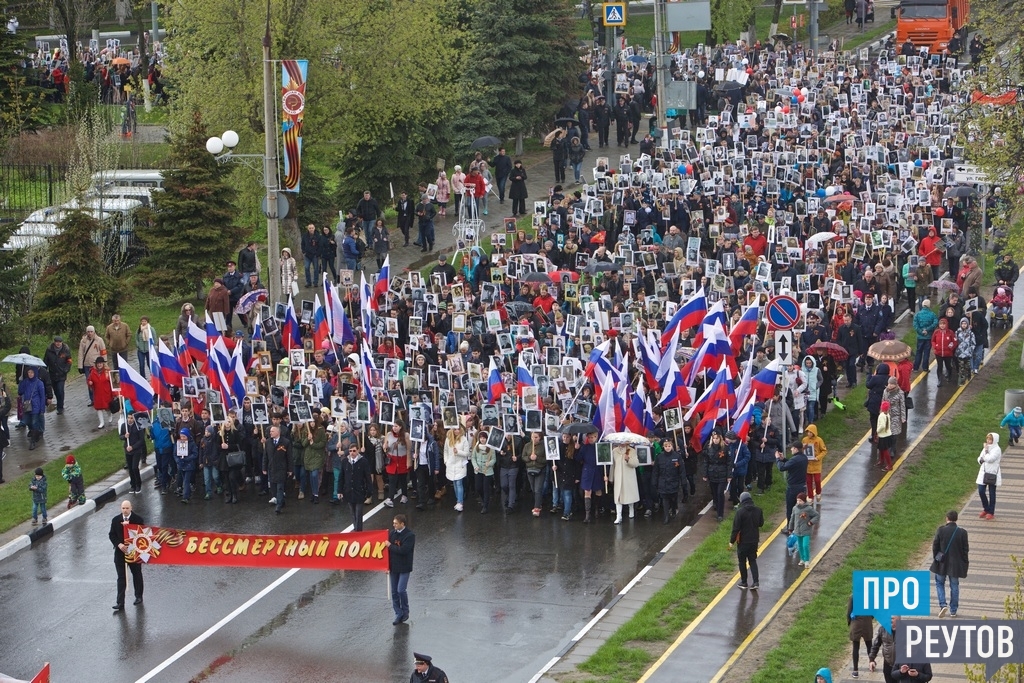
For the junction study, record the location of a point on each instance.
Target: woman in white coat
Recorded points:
(457, 449)
(989, 475)
(622, 475)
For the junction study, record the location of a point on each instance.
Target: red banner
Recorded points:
(361, 550)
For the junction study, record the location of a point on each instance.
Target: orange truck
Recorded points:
(933, 23)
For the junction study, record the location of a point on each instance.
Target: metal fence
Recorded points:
(25, 188)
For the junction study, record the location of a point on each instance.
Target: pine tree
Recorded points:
(522, 66)
(22, 104)
(192, 233)
(13, 288)
(75, 288)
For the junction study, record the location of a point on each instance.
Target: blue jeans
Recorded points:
(923, 356)
(35, 422)
(509, 476)
(143, 363)
(988, 502)
(164, 463)
(351, 264)
(58, 393)
(850, 370)
(368, 228)
(460, 490)
(954, 591)
(566, 500)
(501, 188)
(314, 482)
(426, 234)
(300, 477)
(308, 262)
(979, 355)
(577, 170)
(211, 479)
(811, 411)
(1014, 432)
(38, 509)
(399, 593)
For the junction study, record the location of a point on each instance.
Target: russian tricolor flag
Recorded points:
(638, 415)
(366, 361)
(650, 359)
(365, 308)
(341, 328)
(763, 383)
(195, 340)
(380, 287)
(495, 385)
(605, 418)
(743, 419)
(212, 333)
(715, 317)
(321, 329)
(744, 327)
(134, 386)
(290, 335)
(686, 316)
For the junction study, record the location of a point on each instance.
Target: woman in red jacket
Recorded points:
(102, 393)
(931, 249)
(944, 346)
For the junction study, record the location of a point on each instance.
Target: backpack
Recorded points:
(360, 247)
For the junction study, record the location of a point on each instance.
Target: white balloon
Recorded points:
(700, 74)
(804, 91)
(214, 145)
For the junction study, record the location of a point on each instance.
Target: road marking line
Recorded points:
(198, 640)
(692, 626)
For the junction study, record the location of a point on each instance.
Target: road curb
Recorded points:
(65, 519)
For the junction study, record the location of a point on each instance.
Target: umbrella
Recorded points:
(599, 267)
(485, 141)
(518, 308)
(566, 122)
(637, 59)
(835, 351)
(838, 199)
(945, 284)
(628, 438)
(24, 359)
(782, 37)
(820, 237)
(559, 275)
(117, 61)
(579, 428)
(729, 86)
(890, 349)
(961, 192)
(250, 299)
(537, 277)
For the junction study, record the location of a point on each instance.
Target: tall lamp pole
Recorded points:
(266, 163)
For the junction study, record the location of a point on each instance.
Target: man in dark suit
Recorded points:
(277, 464)
(117, 540)
(406, 208)
(356, 484)
(401, 544)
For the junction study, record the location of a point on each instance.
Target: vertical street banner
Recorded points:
(293, 104)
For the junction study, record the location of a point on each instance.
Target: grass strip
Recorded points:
(99, 459)
(637, 643)
(939, 481)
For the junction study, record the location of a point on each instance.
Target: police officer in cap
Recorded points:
(426, 671)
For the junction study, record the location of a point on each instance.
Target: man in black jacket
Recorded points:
(621, 113)
(58, 364)
(311, 253)
(117, 540)
(502, 166)
(851, 338)
(277, 465)
(356, 484)
(134, 449)
(746, 531)
(950, 560)
(368, 211)
(406, 208)
(401, 544)
(602, 121)
(247, 260)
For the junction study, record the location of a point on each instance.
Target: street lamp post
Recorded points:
(266, 163)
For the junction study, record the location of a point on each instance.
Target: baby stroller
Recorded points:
(1001, 307)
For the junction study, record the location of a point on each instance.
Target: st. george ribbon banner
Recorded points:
(293, 104)
(360, 550)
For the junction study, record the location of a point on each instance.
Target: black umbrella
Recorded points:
(599, 267)
(566, 122)
(537, 277)
(782, 37)
(485, 141)
(579, 428)
(518, 308)
(961, 192)
(729, 86)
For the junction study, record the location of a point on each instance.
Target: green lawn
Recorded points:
(935, 483)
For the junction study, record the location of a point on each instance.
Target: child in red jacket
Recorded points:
(944, 346)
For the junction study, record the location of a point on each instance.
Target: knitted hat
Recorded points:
(39, 471)
(884, 406)
(70, 460)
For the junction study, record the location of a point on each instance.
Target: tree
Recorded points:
(728, 19)
(74, 288)
(14, 283)
(192, 233)
(993, 134)
(378, 69)
(75, 17)
(521, 66)
(22, 103)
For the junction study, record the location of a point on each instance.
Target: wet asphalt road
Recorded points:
(504, 594)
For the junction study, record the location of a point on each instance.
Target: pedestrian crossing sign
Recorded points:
(614, 14)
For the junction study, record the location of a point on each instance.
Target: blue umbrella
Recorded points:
(637, 59)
